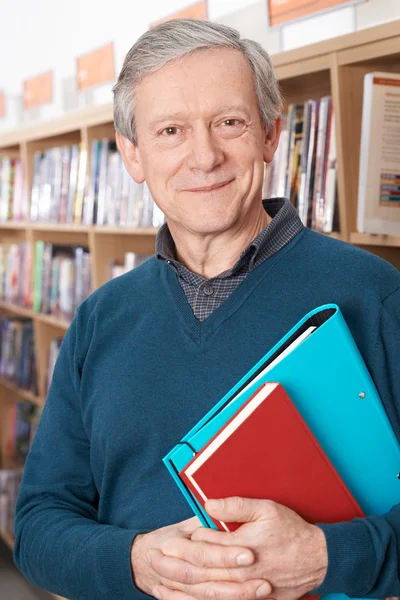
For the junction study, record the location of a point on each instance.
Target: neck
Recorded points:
(211, 255)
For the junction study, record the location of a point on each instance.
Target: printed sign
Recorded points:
(96, 67)
(195, 11)
(38, 90)
(282, 11)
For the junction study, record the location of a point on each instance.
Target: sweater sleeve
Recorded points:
(364, 554)
(59, 543)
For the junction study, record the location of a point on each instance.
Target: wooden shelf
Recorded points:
(62, 227)
(120, 230)
(50, 320)
(8, 539)
(70, 228)
(14, 309)
(21, 393)
(14, 225)
(375, 239)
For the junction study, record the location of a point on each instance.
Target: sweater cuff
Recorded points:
(351, 559)
(114, 566)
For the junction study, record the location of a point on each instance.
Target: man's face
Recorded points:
(201, 144)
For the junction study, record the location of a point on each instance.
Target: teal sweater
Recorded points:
(136, 371)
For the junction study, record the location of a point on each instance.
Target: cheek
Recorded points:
(247, 151)
(163, 166)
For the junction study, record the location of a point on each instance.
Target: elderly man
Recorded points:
(98, 516)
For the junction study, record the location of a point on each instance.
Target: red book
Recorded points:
(267, 451)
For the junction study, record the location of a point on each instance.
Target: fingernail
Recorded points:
(244, 559)
(263, 591)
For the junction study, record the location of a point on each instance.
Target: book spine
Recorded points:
(39, 248)
(80, 186)
(320, 160)
(101, 198)
(73, 181)
(65, 177)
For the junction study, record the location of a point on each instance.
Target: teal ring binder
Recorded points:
(323, 376)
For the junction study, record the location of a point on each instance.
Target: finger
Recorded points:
(164, 593)
(189, 525)
(178, 570)
(239, 510)
(213, 537)
(223, 590)
(209, 555)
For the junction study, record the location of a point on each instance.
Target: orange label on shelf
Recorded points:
(195, 11)
(2, 104)
(38, 90)
(96, 67)
(282, 11)
(386, 81)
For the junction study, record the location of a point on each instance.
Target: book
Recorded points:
(303, 168)
(62, 279)
(330, 192)
(267, 451)
(307, 162)
(327, 394)
(295, 155)
(324, 121)
(80, 184)
(379, 170)
(17, 353)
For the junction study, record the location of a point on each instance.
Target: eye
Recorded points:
(231, 122)
(170, 131)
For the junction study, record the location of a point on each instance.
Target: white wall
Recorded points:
(49, 35)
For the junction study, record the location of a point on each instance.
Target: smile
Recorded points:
(211, 188)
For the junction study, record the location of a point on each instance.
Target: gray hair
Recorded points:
(175, 39)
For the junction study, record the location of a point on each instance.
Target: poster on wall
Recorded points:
(194, 11)
(96, 67)
(38, 90)
(283, 11)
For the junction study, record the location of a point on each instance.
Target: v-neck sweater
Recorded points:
(205, 295)
(137, 370)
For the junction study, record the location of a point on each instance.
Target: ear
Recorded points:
(271, 140)
(131, 157)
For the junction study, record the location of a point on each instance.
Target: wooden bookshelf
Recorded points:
(20, 393)
(335, 67)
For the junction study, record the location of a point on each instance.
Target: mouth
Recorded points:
(211, 188)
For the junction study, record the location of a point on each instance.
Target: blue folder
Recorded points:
(326, 378)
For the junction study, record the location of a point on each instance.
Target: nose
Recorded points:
(205, 152)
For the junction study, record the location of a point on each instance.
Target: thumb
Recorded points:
(236, 509)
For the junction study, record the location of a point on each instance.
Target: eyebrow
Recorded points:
(180, 115)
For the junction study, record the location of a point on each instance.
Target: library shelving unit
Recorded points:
(335, 67)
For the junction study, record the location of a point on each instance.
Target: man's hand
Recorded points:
(290, 553)
(169, 565)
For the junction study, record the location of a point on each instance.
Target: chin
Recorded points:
(207, 225)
